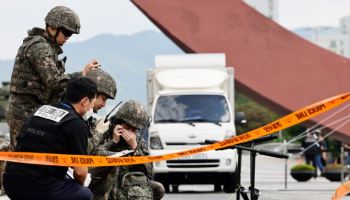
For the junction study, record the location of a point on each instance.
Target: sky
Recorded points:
(122, 17)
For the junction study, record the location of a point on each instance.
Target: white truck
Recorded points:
(191, 99)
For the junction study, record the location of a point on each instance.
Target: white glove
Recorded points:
(101, 126)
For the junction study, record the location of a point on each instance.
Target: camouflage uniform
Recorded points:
(105, 181)
(38, 76)
(4, 147)
(106, 85)
(109, 182)
(141, 191)
(97, 138)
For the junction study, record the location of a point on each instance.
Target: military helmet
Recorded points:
(133, 113)
(63, 17)
(105, 83)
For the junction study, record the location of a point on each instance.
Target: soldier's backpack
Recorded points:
(135, 186)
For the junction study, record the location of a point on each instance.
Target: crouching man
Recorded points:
(61, 129)
(126, 182)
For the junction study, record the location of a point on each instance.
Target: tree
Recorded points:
(258, 115)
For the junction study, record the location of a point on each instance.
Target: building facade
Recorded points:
(335, 39)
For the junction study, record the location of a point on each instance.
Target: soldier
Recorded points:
(38, 76)
(107, 89)
(4, 143)
(60, 129)
(126, 182)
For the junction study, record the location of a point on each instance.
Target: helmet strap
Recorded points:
(54, 37)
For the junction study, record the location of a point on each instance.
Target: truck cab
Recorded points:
(191, 99)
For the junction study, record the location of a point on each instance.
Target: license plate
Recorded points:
(195, 156)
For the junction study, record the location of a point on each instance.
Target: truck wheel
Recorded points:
(166, 187)
(217, 187)
(175, 188)
(230, 183)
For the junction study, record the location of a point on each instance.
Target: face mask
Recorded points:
(88, 114)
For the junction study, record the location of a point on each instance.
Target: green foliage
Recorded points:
(4, 95)
(303, 167)
(5, 89)
(258, 115)
(293, 131)
(333, 146)
(2, 113)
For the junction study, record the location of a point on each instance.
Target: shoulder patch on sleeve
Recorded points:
(51, 113)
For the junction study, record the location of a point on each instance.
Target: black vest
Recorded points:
(43, 135)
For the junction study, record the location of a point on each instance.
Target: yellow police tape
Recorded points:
(341, 191)
(95, 161)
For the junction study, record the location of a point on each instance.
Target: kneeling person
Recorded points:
(61, 129)
(107, 89)
(126, 182)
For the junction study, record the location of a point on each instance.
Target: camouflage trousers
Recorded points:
(15, 126)
(158, 190)
(104, 185)
(152, 190)
(20, 109)
(102, 180)
(3, 147)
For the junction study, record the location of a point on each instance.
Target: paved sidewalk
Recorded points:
(270, 179)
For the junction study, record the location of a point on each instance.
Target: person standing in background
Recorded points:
(313, 151)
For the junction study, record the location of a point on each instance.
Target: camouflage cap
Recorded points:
(63, 17)
(133, 113)
(104, 81)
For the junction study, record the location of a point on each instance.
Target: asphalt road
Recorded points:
(270, 180)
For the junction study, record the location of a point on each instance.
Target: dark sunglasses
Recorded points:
(66, 32)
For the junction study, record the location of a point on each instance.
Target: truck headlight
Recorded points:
(155, 142)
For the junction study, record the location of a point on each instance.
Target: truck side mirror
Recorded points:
(240, 118)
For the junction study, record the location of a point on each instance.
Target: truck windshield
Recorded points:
(191, 108)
